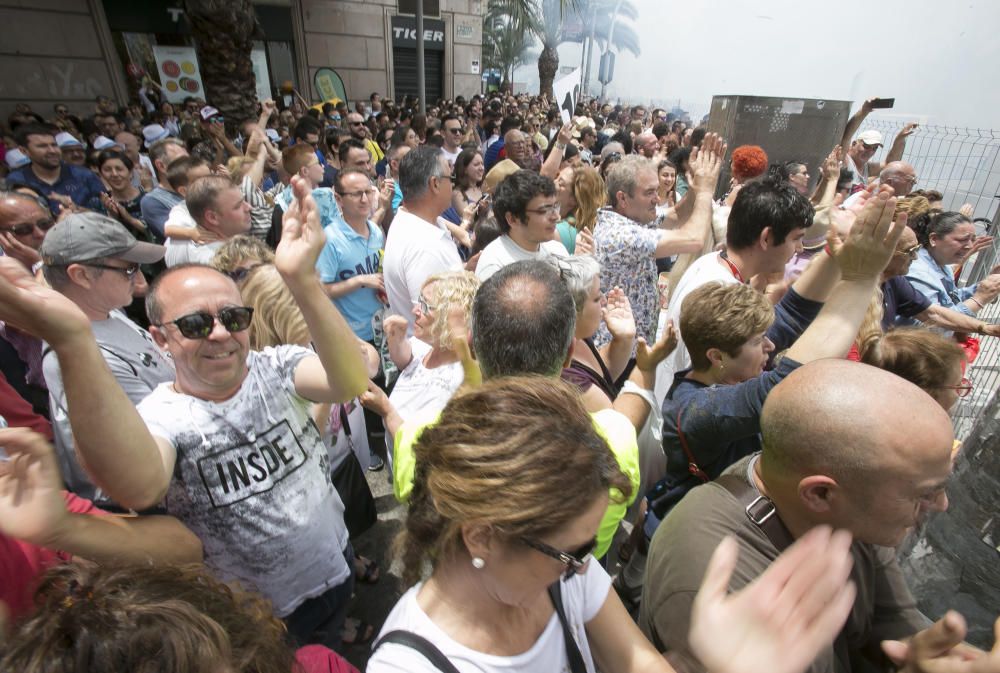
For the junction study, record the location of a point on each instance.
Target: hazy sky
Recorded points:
(940, 60)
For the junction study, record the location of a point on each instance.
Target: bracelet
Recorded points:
(561, 147)
(982, 328)
(828, 250)
(978, 303)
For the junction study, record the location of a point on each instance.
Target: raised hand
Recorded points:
(302, 237)
(395, 327)
(19, 251)
(940, 649)
(785, 617)
(705, 163)
(908, 130)
(32, 507)
(617, 314)
(646, 358)
(36, 309)
(831, 165)
(565, 133)
(968, 210)
(866, 250)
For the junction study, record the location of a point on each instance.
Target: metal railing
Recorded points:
(964, 165)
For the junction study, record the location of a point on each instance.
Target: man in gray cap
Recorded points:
(94, 261)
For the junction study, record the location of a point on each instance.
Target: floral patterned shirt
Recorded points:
(625, 250)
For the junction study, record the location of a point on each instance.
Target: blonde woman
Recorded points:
(277, 320)
(581, 194)
(430, 368)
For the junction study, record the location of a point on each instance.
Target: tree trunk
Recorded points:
(548, 66)
(954, 563)
(223, 33)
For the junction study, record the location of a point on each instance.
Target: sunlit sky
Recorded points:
(940, 60)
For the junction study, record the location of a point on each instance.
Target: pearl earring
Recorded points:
(478, 563)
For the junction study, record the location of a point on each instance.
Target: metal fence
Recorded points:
(964, 165)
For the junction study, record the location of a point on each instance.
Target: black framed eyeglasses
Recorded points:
(573, 560)
(199, 325)
(28, 228)
(129, 270)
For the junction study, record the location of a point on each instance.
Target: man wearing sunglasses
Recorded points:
(451, 131)
(858, 158)
(356, 126)
(229, 447)
(24, 220)
(94, 262)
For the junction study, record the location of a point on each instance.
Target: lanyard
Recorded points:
(732, 267)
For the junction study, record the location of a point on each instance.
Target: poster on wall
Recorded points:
(178, 70)
(259, 59)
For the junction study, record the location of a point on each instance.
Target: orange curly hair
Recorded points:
(749, 161)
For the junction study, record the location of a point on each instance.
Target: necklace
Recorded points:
(732, 267)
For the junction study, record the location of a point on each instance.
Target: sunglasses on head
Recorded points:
(573, 560)
(199, 325)
(29, 227)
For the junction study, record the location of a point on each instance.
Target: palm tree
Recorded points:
(554, 22)
(505, 44)
(224, 31)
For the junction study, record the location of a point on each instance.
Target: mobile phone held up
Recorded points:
(883, 103)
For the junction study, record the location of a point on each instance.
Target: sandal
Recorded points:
(360, 632)
(366, 570)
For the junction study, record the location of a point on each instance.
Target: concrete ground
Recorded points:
(372, 602)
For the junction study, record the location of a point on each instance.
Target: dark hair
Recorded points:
(450, 118)
(203, 193)
(338, 182)
(306, 126)
(936, 223)
(178, 169)
(110, 154)
(661, 129)
(485, 231)
(697, 136)
(462, 162)
(509, 124)
(515, 191)
(416, 169)
(767, 203)
(346, 146)
(145, 618)
(25, 130)
(623, 137)
(523, 319)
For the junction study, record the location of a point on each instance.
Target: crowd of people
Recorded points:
(639, 420)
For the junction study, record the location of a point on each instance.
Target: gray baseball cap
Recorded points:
(82, 237)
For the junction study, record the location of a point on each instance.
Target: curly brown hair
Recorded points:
(145, 619)
(496, 456)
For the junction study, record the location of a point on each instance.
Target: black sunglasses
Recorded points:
(129, 270)
(199, 325)
(573, 560)
(28, 227)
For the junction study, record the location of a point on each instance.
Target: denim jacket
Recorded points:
(937, 283)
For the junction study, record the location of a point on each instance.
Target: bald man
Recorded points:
(845, 445)
(646, 144)
(899, 175)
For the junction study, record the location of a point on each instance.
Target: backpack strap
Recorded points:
(576, 664)
(421, 645)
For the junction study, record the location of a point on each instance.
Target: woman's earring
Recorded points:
(478, 563)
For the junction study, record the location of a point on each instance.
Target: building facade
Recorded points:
(71, 51)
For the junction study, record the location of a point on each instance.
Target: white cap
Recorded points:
(65, 139)
(154, 132)
(103, 143)
(16, 159)
(871, 137)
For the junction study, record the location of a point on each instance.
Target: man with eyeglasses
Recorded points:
(899, 175)
(416, 247)
(94, 262)
(358, 130)
(229, 447)
(451, 130)
(526, 210)
(902, 304)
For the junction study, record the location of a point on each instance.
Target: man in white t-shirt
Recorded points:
(416, 248)
(230, 447)
(526, 210)
(451, 131)
(766, 226)
(219, 211)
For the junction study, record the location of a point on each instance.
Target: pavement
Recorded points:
(373, 602)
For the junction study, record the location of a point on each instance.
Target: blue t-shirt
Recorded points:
(79, 184)
(348, 254)
(156, 206)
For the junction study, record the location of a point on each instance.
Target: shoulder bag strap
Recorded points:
(759, 509)
(425, 647)
(576, 664)
(692, 464)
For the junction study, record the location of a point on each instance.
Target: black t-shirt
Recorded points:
(900, 299)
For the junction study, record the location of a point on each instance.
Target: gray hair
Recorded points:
(578, 272)
(416, 169)
(158, 150)
(623, 176)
